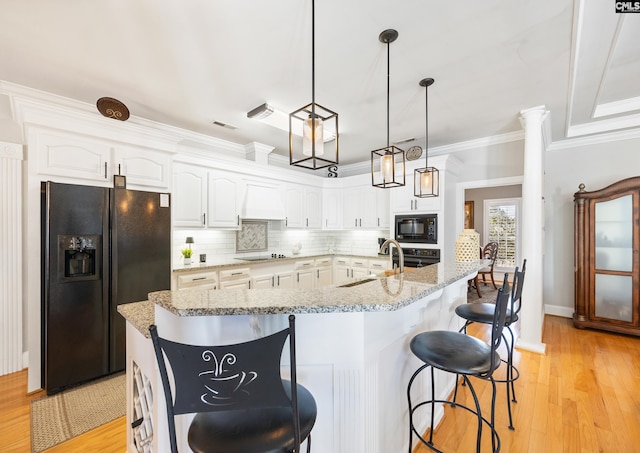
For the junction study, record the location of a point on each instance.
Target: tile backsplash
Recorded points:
(221, 243)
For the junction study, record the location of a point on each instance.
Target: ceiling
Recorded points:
(190, 63)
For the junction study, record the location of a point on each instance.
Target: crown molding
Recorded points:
(608, 137)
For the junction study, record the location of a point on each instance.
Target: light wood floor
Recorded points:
(582, 396)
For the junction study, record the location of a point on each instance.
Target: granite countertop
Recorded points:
(140, 314)
(373, 294)
(226, 262)
(379, 294)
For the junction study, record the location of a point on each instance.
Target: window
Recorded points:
(502, 225)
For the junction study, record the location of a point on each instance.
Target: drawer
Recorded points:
(378, 264)
(359, 262)
(235, 273)
(342, 261)
(307, 264)
(199, 280)
(323, 262)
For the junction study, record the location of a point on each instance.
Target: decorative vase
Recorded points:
(187, 261)
(468, 245)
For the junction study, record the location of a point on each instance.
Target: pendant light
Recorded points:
(426, 181)
(313, 129)
(388, 160)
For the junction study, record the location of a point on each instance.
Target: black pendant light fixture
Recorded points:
(388, 164)
(313, 129)
(426, 181)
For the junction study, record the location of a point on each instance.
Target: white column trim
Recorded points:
(532, 312)
(11, 246)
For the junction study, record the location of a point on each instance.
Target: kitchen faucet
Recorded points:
(385, 246)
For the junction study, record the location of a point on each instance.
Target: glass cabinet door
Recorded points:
(613, 282)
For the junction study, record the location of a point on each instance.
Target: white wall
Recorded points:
(596, 165)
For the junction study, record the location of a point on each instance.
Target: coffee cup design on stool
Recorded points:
(223, 383)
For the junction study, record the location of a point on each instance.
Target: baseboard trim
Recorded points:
(558, 310)
(539, 348)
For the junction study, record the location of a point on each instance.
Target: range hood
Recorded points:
(262, 202)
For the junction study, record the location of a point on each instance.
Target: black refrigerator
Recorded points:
(101, 247)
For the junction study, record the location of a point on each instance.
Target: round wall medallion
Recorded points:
(112, 108)
(414, 153)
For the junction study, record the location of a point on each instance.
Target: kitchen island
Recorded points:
(352, 349)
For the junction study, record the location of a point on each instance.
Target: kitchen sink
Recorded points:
(359, 282)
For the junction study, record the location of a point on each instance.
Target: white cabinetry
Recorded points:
(222, 201)
(142, 167)
(235, 278)
(303, 206)
(323, 271)
(304, 273)
(403, 200)
(197, 280)
(378, 266)
(204, 197)
(332, 209)
(189, 195)
(346, 270)
(272, 275)
(341, 270)
(83, 158)
(365, 207)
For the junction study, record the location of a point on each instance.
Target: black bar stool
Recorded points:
(464, 355)
(483, 313)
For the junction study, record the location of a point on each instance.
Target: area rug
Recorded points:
(487, 294)
(57, 418)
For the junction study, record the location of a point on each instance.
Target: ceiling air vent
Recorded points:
(224, 125)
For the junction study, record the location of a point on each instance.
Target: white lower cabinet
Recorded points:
(304, 271)
(197, 280)
(323, 272)
(262, 281)
(272, 276)
(378, 266)
(323, 276)
(305, 279)
(346, 270)
(235, 278)
(341, 271)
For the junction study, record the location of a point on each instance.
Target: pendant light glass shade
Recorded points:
(313, 129)
(388, 167)
(426, 181)
(388, 164)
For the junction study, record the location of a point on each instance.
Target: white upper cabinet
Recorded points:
(205, 197)
(93, 159)
(332, 209)
(403, 200)
(189, 195)
(223, 200)
(64, 154)
(143, 167)
(365, 206)
(303, 205)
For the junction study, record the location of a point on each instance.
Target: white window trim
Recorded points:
(496, 201)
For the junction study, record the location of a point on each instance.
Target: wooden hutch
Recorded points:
(607, 257)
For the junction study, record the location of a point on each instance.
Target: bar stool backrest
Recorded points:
(499, 318)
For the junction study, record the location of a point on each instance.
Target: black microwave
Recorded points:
(422, 228)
